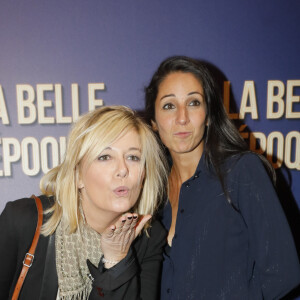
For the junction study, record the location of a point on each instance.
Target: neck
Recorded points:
(185, 164)
(99, 221)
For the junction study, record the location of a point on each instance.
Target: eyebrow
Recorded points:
(165, 96)
(130, 149)
(135, 149)
(192, 93)
(173, 95)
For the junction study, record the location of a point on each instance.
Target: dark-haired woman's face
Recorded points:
(180, 113)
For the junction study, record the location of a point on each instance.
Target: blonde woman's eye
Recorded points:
(134, 158)
(195, 103)
(104, 157)
(168, 106)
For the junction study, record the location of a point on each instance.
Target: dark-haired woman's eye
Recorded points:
(195, 103)
(168, 106)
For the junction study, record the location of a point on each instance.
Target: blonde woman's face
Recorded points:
(111, 184)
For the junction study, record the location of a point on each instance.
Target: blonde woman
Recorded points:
(98, 239)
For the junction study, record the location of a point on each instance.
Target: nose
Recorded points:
(122, 170)
(182, 117)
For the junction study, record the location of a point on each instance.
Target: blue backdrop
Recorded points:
(58, 56)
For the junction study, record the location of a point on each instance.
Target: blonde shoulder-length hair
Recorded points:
(92, 133)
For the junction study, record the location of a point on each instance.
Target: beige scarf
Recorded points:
(72, 251)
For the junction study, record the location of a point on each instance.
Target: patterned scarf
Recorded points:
(72, 251)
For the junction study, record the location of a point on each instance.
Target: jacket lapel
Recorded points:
(50, 281)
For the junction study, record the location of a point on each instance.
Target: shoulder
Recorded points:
(249, 181)
(152, 240)
(244, 160)
(18, 222)
(20, 207)
(157, 230)
(246, 165)
(23, 212)
(157, 237)
(26, 206)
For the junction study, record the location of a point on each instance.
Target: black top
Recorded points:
(219, 252)
(136, 277)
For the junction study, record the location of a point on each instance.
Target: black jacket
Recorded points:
(137, 276)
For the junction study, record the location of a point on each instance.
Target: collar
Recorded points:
(201, 167)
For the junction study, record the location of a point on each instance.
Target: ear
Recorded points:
(80, 185)
(79, 181)
(207, 121)
(154, 125)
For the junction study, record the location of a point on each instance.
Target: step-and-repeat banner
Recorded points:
(60, 59)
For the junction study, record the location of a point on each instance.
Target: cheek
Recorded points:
(95, 179)
(164, 125)
(199, 119)
(137, 178)
(162, 118)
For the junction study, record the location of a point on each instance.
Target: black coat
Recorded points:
(137, 276)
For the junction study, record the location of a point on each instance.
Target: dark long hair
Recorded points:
(222, 138)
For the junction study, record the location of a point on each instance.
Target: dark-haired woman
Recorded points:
(228, 236)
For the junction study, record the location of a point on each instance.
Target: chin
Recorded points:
(183, 150)
(122, 208)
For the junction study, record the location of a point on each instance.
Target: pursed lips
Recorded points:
(182, 134)
(121, 191)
